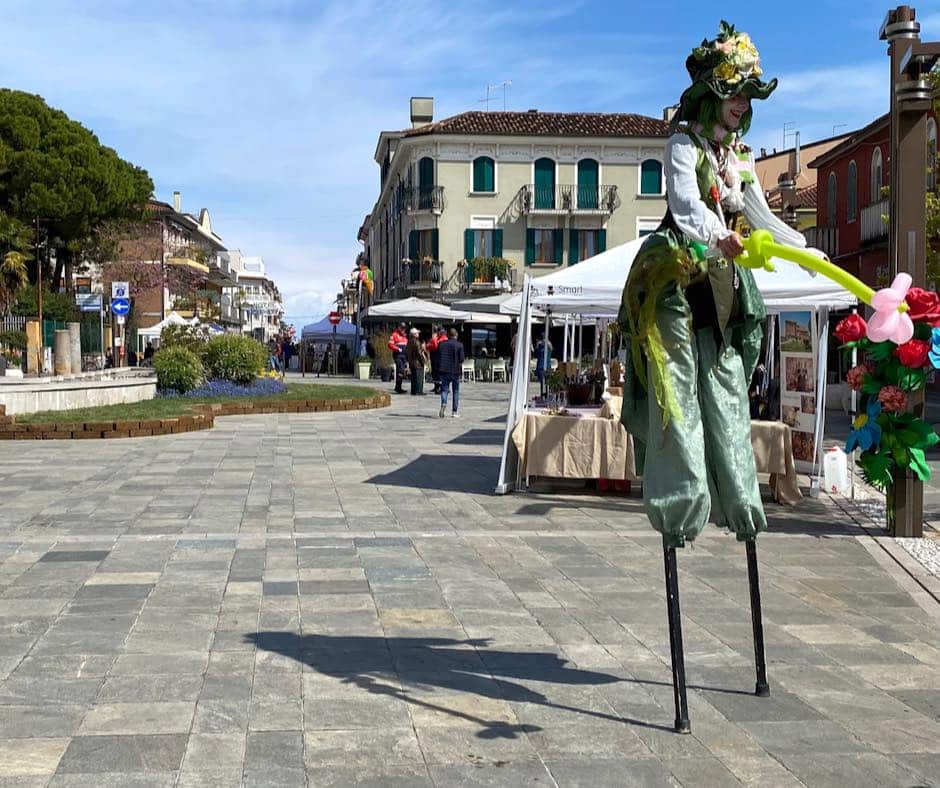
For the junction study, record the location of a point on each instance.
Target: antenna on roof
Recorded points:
(504, 85)
(838, 126)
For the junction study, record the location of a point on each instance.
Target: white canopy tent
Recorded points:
(152, 333)
(594, 288)
(503, 304)
(415, 309)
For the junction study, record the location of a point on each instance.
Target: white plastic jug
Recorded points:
(836, 472)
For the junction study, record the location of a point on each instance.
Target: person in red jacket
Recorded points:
(397, 344)
(438, 337)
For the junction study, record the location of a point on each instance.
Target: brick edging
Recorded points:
(202, 419)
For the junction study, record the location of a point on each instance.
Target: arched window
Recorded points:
(544, 184)
(931, 154)
(876, 177)
(484, 174)
(851, 193)
(651, 177)
(831, 201)
(588, 184)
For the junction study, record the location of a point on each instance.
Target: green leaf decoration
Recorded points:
(922, 330)
(882, 351)
(871, 385)
(910, 379)
(901, 456)
(918, 465)
(876, 468)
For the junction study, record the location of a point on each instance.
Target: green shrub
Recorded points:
(178, 368)
(235, 357)
(55, 306)
(192, 338)
(13, 339)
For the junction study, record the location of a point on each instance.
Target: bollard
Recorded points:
(75, 339)
(61, 350)
(33, 356)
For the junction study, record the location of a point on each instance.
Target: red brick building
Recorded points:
(852, 201)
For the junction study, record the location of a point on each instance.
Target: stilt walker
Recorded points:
(694, 320)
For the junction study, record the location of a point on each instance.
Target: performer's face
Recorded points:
(732, 110)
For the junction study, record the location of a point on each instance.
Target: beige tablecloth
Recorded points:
(565, 447)
(599, 448)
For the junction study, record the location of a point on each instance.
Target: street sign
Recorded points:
(120, 290)
(120, 306)
(120, 320)
(88, 302)
(335, 318)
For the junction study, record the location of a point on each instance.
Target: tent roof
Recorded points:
(324, 326)
(494, 304)
(172, 319)
(416, 309)
(595, 286)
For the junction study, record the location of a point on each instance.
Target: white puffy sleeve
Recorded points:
(692, 216)
(759, 216)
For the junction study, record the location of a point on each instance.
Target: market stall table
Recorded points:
(592, 444)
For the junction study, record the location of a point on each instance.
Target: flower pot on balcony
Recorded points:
(362, 369)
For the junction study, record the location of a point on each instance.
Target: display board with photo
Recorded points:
(798, 360)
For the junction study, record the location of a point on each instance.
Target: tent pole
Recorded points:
(675, 640)
(564, 352)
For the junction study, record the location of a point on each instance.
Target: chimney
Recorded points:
(177, 202)
(670, 112)
(422, 111)
(533, 112)
(763, 152)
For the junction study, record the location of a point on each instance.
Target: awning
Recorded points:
(415, 309)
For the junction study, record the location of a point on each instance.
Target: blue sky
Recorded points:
(267, 113)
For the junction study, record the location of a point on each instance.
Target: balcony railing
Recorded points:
(569, 198)
(479, 276)
(423, 198)
(422, 274)
(874, 227)
(826, 239)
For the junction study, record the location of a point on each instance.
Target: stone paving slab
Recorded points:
(339, 599)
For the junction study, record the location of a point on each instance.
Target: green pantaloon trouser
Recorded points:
(701, 466)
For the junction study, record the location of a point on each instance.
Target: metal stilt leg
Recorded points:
(675, 640)
(762, 689)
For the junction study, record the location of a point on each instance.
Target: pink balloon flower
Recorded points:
(888, 323)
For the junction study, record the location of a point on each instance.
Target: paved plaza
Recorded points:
(339, 599)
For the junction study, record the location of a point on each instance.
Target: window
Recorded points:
(588, 184)
(831, 201)
(426, 183)
(931, 154)
(646, 226)
(851, 194)
(583, 244)
(422, 244)
(544, 184)
(484, 174)
(543, 247)
(876, 178)
(651, 177)
(480, 242)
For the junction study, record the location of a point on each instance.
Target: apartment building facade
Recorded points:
(255, 299)
(461, 197)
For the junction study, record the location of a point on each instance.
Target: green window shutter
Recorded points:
(601, 241)
(468, 244)
(587, 184)
(435, 245)
(497, 243)
(484, 174)
(426, 173)
(413, 245)
(651, 177)
(558, 242)
(544, 184)
(573, 249)
(529, 246)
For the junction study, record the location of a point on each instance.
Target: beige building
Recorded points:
(539, 189)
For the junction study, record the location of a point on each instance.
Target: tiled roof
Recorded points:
(851, 141)
(805, 198)
(547, 124)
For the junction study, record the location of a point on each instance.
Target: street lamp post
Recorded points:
(911, 60)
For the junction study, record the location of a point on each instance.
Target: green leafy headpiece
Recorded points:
(727, 66)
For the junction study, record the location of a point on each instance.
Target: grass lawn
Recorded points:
(183, 406)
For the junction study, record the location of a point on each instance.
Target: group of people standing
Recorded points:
(280, 352)
(443, 353)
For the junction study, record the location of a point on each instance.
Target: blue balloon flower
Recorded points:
(935, 348)
(867, 432)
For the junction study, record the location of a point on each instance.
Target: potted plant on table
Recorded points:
(363, 367)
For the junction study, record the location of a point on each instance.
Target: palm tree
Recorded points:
(15, 238)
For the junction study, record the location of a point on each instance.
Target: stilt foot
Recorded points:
(762, 691)
(683, 726)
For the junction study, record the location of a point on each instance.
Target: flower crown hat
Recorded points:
(727, 66)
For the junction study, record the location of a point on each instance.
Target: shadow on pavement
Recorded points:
(379, 664)
(480, 438)
(445, 472)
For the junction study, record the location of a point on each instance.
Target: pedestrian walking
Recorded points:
(451, 369)
(418, 361)
(543, 355)
(397, 344)
(438, 338)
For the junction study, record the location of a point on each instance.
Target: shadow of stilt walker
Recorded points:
(762, 688)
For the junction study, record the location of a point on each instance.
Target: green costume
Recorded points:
(694, 322)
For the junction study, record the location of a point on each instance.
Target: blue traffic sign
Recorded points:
(120, 306)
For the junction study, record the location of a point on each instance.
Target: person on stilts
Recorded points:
(694, 320)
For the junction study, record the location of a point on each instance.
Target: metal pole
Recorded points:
(762, 689)
(682, 724)
(333, 351)
(101, 330)
(42, 340)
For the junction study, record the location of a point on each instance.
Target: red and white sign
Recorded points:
(335, 318)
